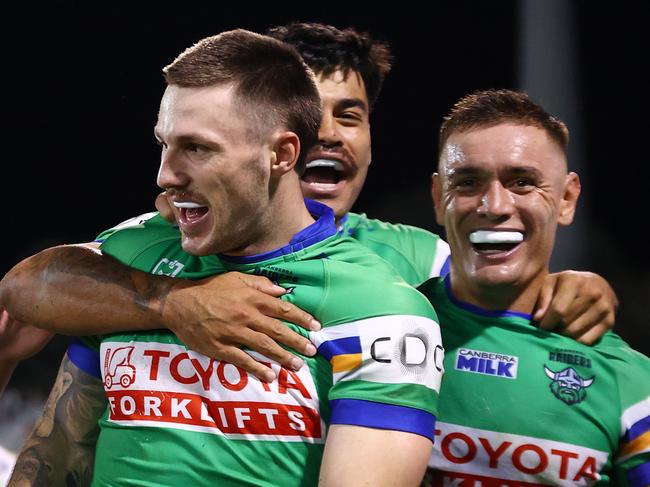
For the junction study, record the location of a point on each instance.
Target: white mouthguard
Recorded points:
(337, 165)
(187, 204)
(495, 237)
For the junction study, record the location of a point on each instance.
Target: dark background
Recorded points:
(82, 86)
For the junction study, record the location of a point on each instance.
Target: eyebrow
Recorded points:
(522, 170)
(514, 170)
(352, 103)
(193, 139)
(465, 170)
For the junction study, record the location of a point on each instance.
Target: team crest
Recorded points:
(567, 385)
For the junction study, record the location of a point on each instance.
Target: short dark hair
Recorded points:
(272, 83)
(488, 108)
(327, 49)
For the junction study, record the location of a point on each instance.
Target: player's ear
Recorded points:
(285, 151)
(436, 194)
(569, 199)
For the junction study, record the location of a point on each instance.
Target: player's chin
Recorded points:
(197, 245)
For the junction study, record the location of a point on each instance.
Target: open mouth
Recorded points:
(325, 172)
(495, 241)
(190, 212)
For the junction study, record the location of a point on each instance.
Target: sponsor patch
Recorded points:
(165, 385)
(389, 349)
(486, 363)
(467, 456)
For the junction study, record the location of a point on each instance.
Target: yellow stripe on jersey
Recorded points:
(341, 363)
(637, 445)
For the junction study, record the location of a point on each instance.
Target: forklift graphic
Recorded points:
(118, 368)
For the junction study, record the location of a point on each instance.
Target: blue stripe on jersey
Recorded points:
(637, 429)
(477, 310)
(444, 270)
(340, 346)
(85, 358)
(324, 227)
(639, 476)
(383, 416)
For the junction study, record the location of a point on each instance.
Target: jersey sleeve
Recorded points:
(386, 365)
(632, 461)
(84, 353)
(134, 222)
(138, 240)
(416, 254)
(431, 252)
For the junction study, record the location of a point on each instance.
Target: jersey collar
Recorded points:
(477, 310)
(324, 227)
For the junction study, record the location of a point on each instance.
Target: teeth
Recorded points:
(187, 204)
(493, 237)
(337, 165)
(323, 185)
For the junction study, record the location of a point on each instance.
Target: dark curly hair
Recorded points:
(327, 49)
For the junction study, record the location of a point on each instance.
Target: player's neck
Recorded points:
(515, 297)
(285, 216)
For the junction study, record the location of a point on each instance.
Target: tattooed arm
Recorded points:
(77, 290)
(61, 448)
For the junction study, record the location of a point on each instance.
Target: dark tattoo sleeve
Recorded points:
(60, 451)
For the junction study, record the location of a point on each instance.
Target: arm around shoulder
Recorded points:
(53, 289)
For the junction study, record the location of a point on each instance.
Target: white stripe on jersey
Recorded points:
(633, 414)
(395, 349)
(442, 252)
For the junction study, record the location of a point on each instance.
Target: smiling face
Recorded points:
(337, 166)
(500, 192)
(215, 171)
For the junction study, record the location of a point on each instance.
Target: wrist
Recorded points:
(170, 298)
(151, 298)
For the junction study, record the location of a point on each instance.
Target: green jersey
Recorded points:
(522, 406)
(415, 253)
(176, 417)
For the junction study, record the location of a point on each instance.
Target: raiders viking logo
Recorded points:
(567, 385)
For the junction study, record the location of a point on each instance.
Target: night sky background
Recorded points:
(82, 87)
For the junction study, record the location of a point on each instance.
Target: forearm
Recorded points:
(61, 448)
(76, 290)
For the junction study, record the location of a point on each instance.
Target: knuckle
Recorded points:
(239, 315)
(275, 329)
(266, 345)
(285, 307)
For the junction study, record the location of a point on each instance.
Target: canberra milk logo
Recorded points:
(567, 385)
(168, 267)
(487, 363)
